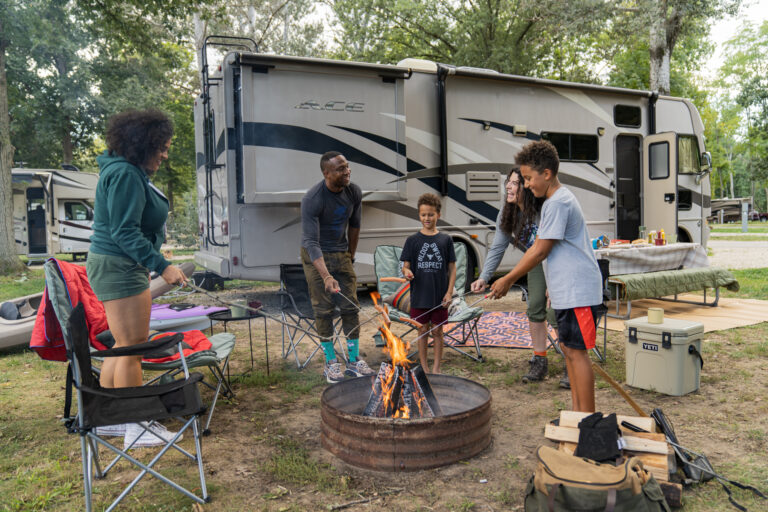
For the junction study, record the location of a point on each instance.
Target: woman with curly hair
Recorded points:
(128, 230)
(517, 225)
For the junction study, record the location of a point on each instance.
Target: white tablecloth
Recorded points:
(635, 260)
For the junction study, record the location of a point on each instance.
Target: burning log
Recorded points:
(400, 392)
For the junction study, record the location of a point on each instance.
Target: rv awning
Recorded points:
(385, 70)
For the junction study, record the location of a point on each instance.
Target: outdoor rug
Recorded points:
(501, 329)
(729, 313)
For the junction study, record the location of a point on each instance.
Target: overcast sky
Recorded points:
(725, 28)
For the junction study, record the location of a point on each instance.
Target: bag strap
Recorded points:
(723, 480)
(610, 503)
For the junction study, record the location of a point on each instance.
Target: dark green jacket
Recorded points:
(129, 214)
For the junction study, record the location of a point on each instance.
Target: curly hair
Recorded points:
(517, 217)
(138, 135)
(429, 200)
(539, 155)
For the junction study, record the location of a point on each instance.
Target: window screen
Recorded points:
(658, 160)
(627, 115)
(574, 146)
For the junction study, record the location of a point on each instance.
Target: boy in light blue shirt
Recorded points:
(573, 276)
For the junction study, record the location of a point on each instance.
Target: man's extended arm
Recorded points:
(532, 257)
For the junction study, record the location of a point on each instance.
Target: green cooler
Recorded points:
(664, 357)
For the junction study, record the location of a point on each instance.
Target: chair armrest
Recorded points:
(142, 349)
(290, 298)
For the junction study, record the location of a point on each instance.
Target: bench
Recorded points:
(661, 284)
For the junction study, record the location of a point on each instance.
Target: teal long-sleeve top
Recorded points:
(129, 214)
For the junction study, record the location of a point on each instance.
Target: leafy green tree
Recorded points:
(545, 38)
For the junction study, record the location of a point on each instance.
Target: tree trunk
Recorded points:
(66, 141)
(9, 261)
(660, 50)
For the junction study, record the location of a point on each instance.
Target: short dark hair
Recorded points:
(429, 200)
(329, 155)
(138, 135)
(539, 155)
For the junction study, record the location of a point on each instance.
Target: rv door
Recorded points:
(660, 182)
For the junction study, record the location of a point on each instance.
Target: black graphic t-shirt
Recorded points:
(429, 257)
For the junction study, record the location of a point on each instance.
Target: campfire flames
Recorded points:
(399, 391)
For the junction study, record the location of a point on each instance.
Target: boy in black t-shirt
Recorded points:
(429, 262)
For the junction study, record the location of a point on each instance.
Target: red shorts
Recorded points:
(435, 316)
(576, 327)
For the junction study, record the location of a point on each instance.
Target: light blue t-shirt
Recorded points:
(573, 277)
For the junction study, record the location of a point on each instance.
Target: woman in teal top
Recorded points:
(128, 230)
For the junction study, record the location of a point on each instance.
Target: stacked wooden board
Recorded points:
(650, 447)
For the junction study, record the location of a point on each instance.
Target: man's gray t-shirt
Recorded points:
(573, 277)
(325, 216)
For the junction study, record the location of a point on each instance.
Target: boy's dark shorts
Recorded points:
(425, 316)
(577, 327)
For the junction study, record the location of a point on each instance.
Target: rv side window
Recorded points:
(75, 211)
(688, 155)
(574, 147)
(658, 160)
(684, 199)
(627, 115)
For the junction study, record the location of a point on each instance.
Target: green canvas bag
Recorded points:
(563, 482)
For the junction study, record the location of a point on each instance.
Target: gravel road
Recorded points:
(737, 255)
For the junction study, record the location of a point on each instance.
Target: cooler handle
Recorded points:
(692, 350)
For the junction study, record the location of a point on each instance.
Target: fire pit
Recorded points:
(401, 444)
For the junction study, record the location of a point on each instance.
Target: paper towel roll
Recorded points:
(655, 316)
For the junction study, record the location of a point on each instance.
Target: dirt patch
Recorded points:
(724, 419)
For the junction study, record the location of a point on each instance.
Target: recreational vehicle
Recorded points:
(52, 211)
(631, 157)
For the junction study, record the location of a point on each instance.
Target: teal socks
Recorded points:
(330, 354)
(353, 347)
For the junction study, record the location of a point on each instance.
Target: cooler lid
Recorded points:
(674, 326)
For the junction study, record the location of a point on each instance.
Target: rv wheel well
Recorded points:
(683, 235)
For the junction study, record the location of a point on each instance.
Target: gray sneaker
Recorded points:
(359, 368)
(538, 369)
(565, 382)
(332, 372)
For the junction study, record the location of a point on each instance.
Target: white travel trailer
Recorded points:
(52, 211)
(631, 157)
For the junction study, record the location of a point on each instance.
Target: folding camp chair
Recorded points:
(299, 318)
(216, 359)
(386, 260)
(97, 406)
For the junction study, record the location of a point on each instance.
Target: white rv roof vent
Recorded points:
(426, 66)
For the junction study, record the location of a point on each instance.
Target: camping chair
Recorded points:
(216, 359)
(386, 260)
(97, 406)
(299, 318)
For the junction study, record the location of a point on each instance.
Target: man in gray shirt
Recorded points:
(330, 225)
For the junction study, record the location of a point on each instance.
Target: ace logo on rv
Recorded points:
(332, 105)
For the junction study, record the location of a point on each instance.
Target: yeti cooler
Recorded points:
(664, 357)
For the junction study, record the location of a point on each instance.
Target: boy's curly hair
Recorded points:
(539, 155)
(429, 200)
(137, 135)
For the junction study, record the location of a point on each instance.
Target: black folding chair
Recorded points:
(299, 318)
(97, 407)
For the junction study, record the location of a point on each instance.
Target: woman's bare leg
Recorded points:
(128, 320)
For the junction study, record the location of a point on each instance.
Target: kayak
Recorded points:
(17, 318)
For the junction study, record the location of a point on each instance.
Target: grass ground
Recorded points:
(265, 455)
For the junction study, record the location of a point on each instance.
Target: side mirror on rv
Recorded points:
(706, 168)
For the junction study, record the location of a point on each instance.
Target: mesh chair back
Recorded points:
(386, 261)
(294, 282)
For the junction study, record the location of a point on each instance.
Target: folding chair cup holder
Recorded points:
(464, 331)
(298, 318)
